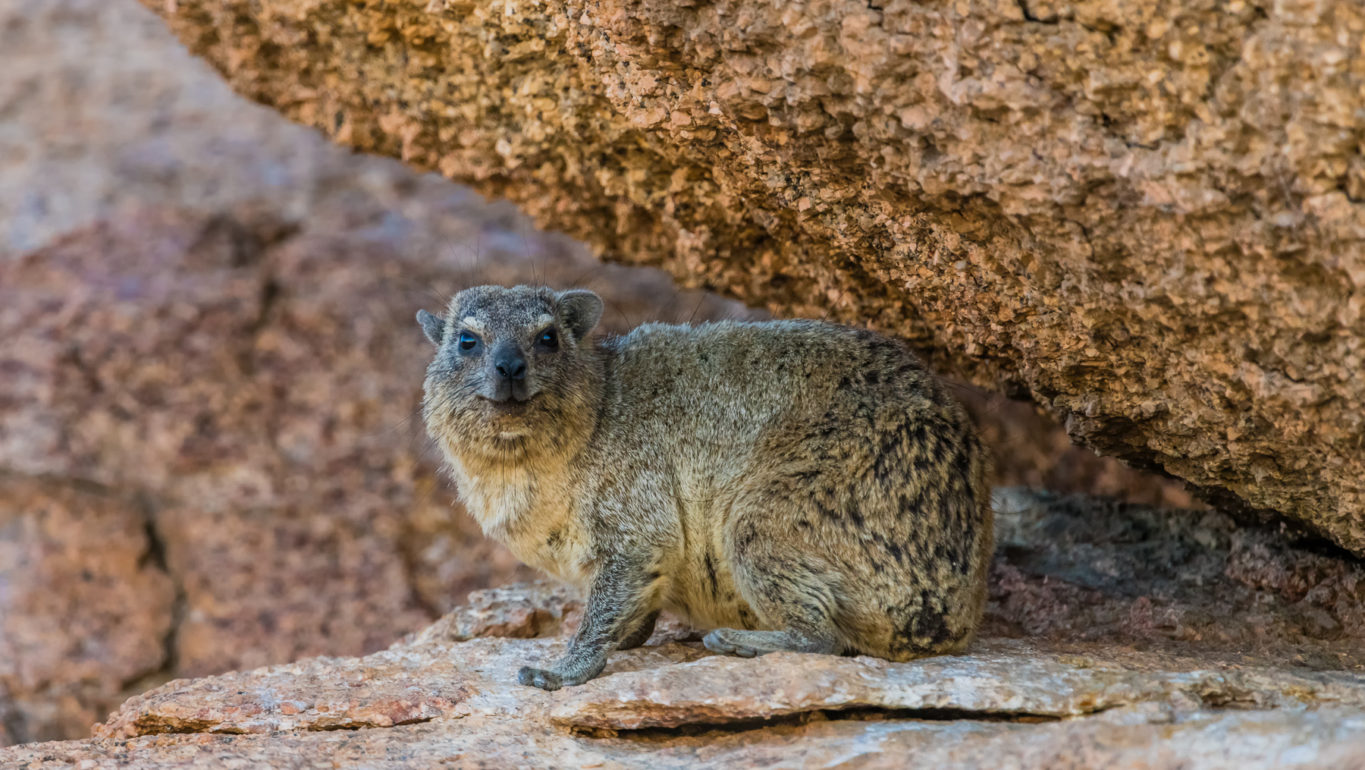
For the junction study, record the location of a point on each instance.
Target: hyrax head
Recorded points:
(509, 362)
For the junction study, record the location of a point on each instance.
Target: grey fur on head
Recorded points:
(791, 485)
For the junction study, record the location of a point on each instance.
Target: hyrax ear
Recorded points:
(432, 326)
(580, 310)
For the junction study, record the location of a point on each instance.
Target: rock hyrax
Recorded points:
(791, 485)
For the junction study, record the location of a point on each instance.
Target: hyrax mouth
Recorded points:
(508, 406)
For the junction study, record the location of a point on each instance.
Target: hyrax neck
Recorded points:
(504, 492)
(526, 493)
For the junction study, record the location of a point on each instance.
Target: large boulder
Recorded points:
(85, 607)
(1147, 216)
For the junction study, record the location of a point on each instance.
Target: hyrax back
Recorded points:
(792, 485)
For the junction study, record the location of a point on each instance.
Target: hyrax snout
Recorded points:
(790, 485)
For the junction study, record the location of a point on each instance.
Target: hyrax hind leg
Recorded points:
(790, 592)
(641, 634)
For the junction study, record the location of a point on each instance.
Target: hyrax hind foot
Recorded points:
(641, 634)
(747, 644)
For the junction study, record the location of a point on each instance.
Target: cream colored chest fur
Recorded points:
(532, 514)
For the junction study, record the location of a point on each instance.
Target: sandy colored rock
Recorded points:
(84, 606)
(1146, 216)
(992, 681)
(1230, 739)
(1129, 700)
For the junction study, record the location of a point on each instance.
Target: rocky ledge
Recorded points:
(208, 453)
(1148, 216)
(1092, 656)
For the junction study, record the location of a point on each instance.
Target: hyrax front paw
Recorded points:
(539, 677)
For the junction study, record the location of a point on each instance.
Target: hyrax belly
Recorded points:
(703, 591)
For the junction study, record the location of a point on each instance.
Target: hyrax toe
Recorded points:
(728, 641)
(539, 677)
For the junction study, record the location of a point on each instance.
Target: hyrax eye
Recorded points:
(468, 342)
(548, 340)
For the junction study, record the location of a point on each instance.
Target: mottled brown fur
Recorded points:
(792, 485)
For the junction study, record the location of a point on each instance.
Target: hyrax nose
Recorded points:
(510, 364)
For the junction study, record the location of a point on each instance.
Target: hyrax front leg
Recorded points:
(622, 603)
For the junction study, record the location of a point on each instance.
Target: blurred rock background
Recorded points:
(210, 457)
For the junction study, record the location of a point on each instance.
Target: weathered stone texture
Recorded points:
(1148, 216)
(1222, 740)
(1072, 568)
(84, 606)
(102, 113)
(1103, 688)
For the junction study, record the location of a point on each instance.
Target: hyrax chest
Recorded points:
(533, 516)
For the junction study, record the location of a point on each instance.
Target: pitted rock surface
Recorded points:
(445, 696)
(1147, 216)
(85, 606)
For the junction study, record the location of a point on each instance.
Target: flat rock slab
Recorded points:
(997, 680)
(1235, 740)
(1008, 703)
(679, 684)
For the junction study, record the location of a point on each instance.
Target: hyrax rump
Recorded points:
(792, 485)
